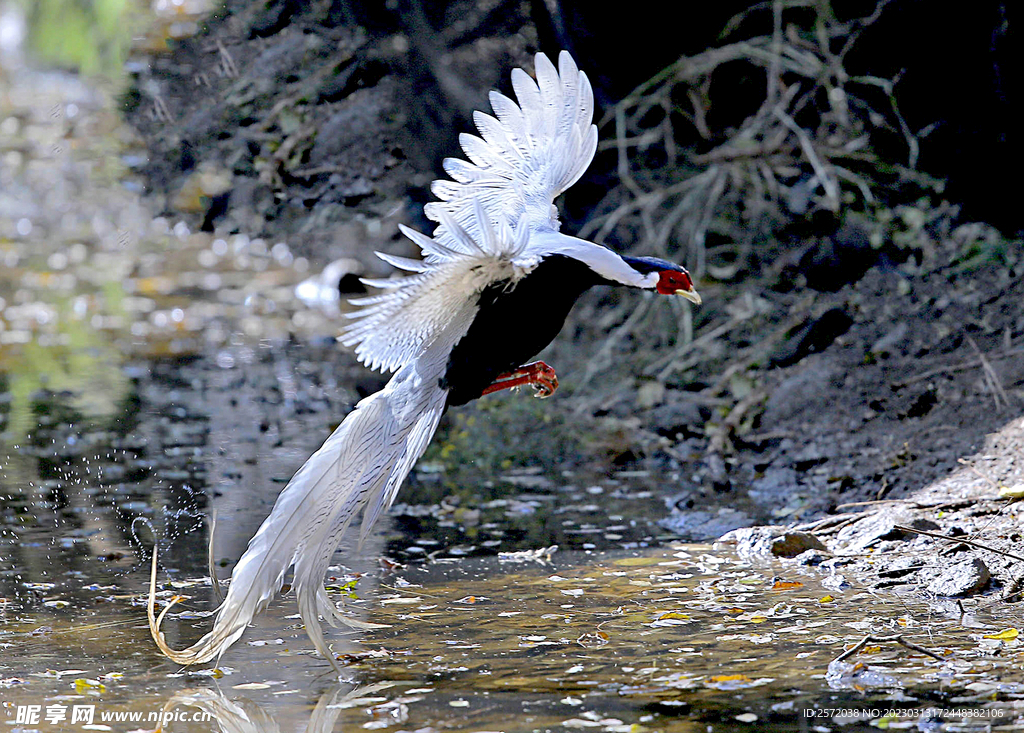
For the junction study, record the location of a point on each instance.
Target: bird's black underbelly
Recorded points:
(514, 324)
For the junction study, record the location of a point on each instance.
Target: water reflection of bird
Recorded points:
(495, 284)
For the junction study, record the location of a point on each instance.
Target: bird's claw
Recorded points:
(538, 375)
(545, 381)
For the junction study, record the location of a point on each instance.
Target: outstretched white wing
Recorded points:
(393, 328)
(526, 157)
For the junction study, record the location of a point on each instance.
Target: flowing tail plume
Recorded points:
(360, 466)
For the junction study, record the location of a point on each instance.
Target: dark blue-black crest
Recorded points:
(645, 265)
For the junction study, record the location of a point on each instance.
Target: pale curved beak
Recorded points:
(691, 295)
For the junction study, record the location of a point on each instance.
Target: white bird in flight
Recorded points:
(494, 287)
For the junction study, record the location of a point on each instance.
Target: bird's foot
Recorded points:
(545, 381)
(537, 374)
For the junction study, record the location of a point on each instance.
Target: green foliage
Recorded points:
(80, 360)
(91, 36)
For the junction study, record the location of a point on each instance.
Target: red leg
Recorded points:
(538, 374)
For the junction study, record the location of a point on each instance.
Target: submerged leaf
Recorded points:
(736, 682)
(83, 686)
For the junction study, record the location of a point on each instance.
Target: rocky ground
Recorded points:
(863, 378)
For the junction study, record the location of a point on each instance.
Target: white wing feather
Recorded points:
(526, 156)
(392, 328)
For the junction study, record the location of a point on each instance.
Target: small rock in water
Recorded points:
(811, 558)
(961, 579)
(750, 540)
(792, 544)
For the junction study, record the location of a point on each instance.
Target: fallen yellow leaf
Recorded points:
(787, 585)
(1012, 492)
(1004, 635)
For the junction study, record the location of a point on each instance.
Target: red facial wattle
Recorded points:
(677, 282)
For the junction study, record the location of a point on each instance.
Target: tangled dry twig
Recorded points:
(710, 188)
(807, 146)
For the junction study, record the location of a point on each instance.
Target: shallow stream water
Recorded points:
(681, 637)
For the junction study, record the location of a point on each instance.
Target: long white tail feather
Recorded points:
(360, 466)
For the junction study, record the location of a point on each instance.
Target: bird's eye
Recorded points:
(669, 281)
